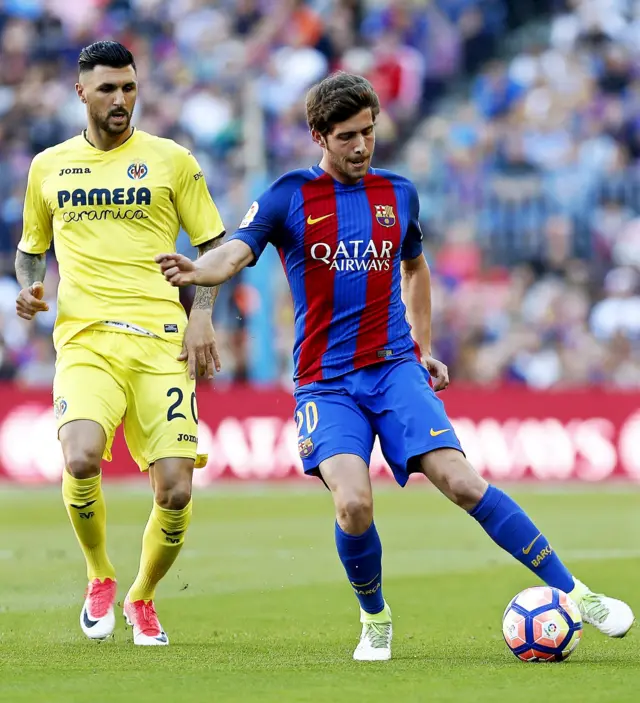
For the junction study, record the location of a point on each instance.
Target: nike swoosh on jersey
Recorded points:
(87, 620)
(526, 550)
(435, 433)
(84, 505)
(314, 220)
(172, 534)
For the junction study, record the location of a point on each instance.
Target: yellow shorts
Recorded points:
(113, 377)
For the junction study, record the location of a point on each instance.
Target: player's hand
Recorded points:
(177, 269)
(438, 371)
(199, 346)
(29, 301)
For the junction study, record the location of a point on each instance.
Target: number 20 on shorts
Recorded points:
(309, 417)
(174, 410)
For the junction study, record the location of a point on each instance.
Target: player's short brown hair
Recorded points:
(337, 98)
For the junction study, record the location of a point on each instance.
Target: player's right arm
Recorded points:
(211, 269)
(261, 225)
(31, 255)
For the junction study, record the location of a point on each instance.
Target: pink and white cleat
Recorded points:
(142, 616)
(97, 618)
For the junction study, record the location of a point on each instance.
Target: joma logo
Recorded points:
(73, 171)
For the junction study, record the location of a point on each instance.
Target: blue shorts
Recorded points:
(393, 400)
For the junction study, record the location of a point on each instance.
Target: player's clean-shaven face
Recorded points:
(110, 95)
(348, 148)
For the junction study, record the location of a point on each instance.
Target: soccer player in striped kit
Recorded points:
(350, 242)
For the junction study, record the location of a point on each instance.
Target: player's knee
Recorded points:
(466, 489)
(83, 462)
(354, 512)
(173, 497)
(454, 476)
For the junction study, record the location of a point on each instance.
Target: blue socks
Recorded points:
(501, 518)
(511, 528)
(361, 557)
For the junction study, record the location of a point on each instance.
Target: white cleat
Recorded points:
(375, 639)
(142, 616)
(611, 616)
(97, 618)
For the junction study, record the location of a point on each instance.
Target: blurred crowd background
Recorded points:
(518, 120)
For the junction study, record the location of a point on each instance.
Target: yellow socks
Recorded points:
(85, 504)
(163, 537)
(162, 541)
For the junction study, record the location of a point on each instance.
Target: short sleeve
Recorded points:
(198, 213)
(37, 230)
(412, 244)
(264, 220)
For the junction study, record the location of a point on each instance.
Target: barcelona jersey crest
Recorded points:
(385, 215)
(305, 447)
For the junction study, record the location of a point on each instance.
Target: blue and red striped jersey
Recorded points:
(341, 247)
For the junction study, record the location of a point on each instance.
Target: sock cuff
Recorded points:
(357, 542)
(363, 536)
(488, 503)
(81, 487)
(173, 518)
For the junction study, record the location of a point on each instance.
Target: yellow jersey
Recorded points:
(109, 214)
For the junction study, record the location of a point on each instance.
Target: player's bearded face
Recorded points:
(110, 95)
(349, 147)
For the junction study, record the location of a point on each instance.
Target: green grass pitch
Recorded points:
(258, 609)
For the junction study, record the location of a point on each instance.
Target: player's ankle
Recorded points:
(578, 591)
(381, 617)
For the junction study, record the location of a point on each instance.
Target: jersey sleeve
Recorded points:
(198, 213)
(37, 229)
(412, 244)
(264, 220)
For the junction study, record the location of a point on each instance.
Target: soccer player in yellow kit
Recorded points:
(111, 199)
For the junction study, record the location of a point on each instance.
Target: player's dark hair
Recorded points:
(105, 53)
(337, 98)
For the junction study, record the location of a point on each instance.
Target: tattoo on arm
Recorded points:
(205, 297)
(30, 268)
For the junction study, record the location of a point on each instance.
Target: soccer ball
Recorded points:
(542, 624)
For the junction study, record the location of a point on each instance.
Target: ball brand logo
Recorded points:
(353, 256)
(137, 170)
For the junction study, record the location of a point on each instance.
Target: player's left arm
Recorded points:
(199, 347)
(205, 296)
(200, 218)
(416, 293)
